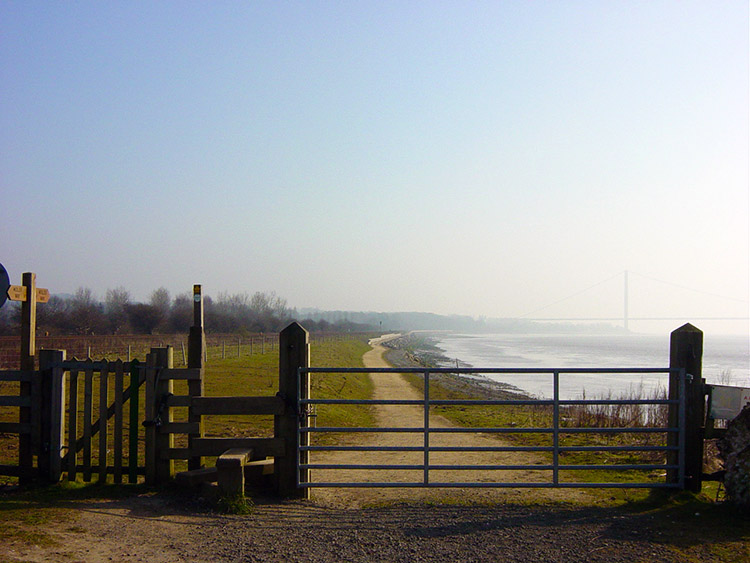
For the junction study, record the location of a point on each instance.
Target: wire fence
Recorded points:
(136, 346)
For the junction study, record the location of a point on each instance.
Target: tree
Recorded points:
(161, 302)
(144, 318)
(86, 314)
(181, 313)
(116, 305)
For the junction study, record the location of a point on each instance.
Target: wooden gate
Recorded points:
(89, 420)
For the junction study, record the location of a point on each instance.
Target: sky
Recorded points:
(498, 159)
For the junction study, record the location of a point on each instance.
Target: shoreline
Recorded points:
(412, 349)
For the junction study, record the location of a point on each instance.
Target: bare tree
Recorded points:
(116, 304)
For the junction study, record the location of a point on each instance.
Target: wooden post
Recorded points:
(103, 421)
(150, 412)
(196, 355)
(135, 378)
(52, 415)
(686, 351)
(294, 353)
(28, 350)
(164, 440)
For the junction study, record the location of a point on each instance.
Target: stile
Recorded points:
(73, 426)
(117, 446)
(88, 384)
(103, 404)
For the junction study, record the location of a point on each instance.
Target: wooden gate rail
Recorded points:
(23, 429)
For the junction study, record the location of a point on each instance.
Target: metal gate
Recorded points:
(671, 450)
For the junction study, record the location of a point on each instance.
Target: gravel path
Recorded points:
(167, 528)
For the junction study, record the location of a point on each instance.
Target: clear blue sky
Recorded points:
(481, 158)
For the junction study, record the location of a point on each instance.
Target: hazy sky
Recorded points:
(481, 158)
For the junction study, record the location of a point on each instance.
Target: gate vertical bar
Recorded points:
(556, 428)
(426, 478)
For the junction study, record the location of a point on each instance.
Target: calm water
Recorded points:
(723, 357)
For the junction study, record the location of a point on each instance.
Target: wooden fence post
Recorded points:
(294, 353)
(196, 355)
(158, 468)
(164, 440)
(52, 414)
(686, 351)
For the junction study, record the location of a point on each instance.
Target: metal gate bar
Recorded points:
(555, 430)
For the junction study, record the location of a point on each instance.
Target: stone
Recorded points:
(734, 449)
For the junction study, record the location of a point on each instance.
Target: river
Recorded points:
(726, 360)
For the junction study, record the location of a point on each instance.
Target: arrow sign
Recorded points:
(18, 293)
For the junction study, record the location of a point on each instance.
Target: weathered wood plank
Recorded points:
(262, 446)
(117, 446)
(73, 426)
(150, 408)
(87, 413)
(57, 418)
(18, 471)
(135, 382)
(182, 374)
(195, 477)
(16, 375)
(179, 401)
(238, 405)
(20, 401)
(28, 350)
(103, 404)
(15, 427)
(294, 346)
(165, 386)
(179, 428)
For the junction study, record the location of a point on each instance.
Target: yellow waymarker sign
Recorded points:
(18, 293)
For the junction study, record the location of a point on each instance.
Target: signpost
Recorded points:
(29, 295)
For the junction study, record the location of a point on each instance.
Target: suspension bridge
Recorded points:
(626, 317)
